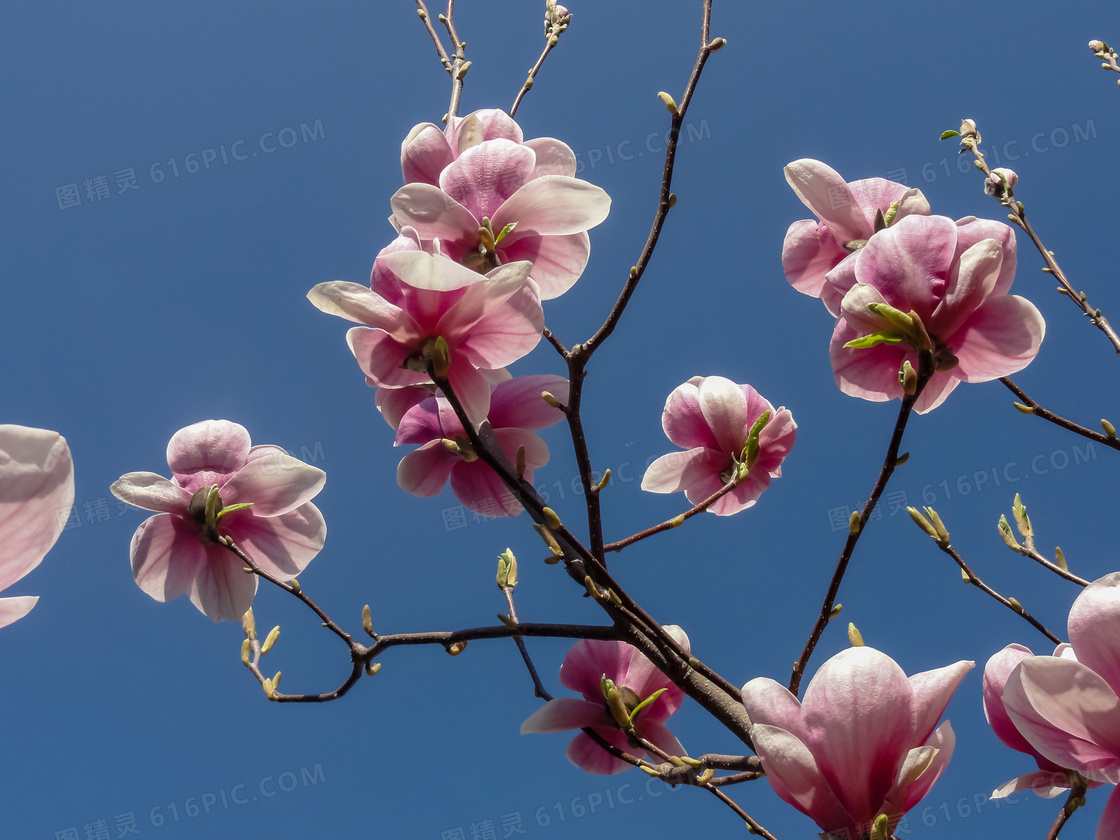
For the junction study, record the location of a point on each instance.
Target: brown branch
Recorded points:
(1018, 215)
(556, 26)
(1074, 801)
(1051, 417)
(890, 461)
(678, 520)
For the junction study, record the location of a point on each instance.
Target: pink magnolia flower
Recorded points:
(861, 744)
(487, 321)
(478, 179)
(262, 502)
(36, 492)
(586, 668)
(516, 408)
(847, 221)
(1066, 706)
(1050, 779)
(713, 417)
(956, 283)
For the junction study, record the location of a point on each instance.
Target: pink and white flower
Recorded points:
(1067, 706)
(712, 417)
(36, 493)
(861, 744)
(847, 213)
(516, 408)
(486, 321)
(955, 277)
(491, 199)
(263, 503)
(587, 667)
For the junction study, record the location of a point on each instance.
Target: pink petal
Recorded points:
(517, 403)
(484, 124)
(484, 176)
(589, 756)
(1068, 713)
(13, 609)
(909, 262)
(771, 703)
(878, 194)
(588, 660)
(273, 481)
(557, 206)
(682, 419)
(429, 272)
(794, 775)
(151, 492)
(433, 213)
(36, 494)
(869, 373)
(281, 545)
(424, 154)
(553, 157)
(222, 590)
(679, 471)
(564, 713)
(382, 358)
(907, 793)
(210, 446)
(1000, 338)
(510, 440)
(809, 252)
(971, 230)
(724, 406)
(361, 305)
(425, 471)
(558, 261)
(971, 283)
(1094, 621)
(931, 692)
(659, 734)
(166, 556)
(508, 329)
(483, 298)
(857, 718)
(775, 442)
(1044, 783)
(481, 490)
(470, 386)
(996, 672)
(1109, 826)
(421, 423)
(823, 191)
(395, 403)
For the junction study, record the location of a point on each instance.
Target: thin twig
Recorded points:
(1074, 801)
(678, 520)
(1018, 215)
(1051, 417)
(551, 39)
(890, 461)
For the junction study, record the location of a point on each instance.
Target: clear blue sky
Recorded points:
(145, 309)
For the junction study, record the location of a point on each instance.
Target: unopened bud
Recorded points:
(367, 621)
(605, 480)
(1006, 535)
(1023, 409)
(942, 532)
(249, 624)
(551, 519)
(270, 640)
(854, 636)
(670, 103)
(551, 400)
(922, 522)
(456, 648)
(672, 200)
(1015, 605)
(853, 523)
(717, 44)
(908, 379)
(1022, 521)
(836, 611)
(373, 668)
(507, 569)
(1060, 559)
(246, 648)
(466, 65)
(1109, 429)
(269, 689)
(881, 828)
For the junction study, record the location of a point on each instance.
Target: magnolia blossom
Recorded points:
(1066, 706)
(1050, 779)
(954, 276)
(490, 198)
(847, 213)
(416, 298)
(861, 744)
(713, 417)
(36, 492)
(222, 486)
(586, 669)
(516, 407)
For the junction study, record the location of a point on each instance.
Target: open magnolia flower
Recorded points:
(615, 680)
(723, 426)
(861, 744)
(1066, 707)
(490, 198)
(36, 492)
(848, 214)
(954, 277)
(516, 409)
(424, 307)
(222, 486)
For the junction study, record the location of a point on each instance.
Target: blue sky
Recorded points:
(145, 309)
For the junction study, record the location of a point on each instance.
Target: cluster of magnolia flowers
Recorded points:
(896, 278)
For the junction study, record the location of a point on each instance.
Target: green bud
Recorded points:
(717, 44)
(1006, 536)
(246, 649)
(249, 624)
(922, 522)
(836, 611)
(854, 636)
(507, 569)
(669, 102)
(551, 519)
(1022, 521)
(942, 532)
(1060, 559)
(853, 523)
(1109, 429)
(367, 620)
(1023, 409)
(881, 828)
(270, 639)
